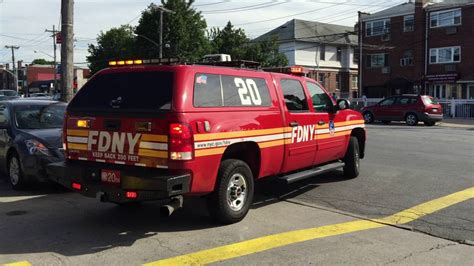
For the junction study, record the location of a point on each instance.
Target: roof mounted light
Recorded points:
(130, 62)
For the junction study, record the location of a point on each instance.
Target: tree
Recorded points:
(116, 43)
(183, 31)
(41, 61)
(229, 41)
(266, 53)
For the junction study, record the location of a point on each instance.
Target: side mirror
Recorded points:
(343, 104)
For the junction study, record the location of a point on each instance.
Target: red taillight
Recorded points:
(76, 186)
(181, 145)
(65, 133)
(131, 195)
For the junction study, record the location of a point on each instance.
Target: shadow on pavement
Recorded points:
(69, 224)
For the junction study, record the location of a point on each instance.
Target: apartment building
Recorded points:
(326, 50)
(417, 47)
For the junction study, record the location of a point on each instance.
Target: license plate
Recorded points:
(434, 110)
(110, 176)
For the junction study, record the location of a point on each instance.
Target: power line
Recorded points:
(244, 8)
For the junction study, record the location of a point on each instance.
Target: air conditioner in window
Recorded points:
(385, 70)
(451, 30)
(408, 28)
(385, 37)
(406, 61)
(449, 68)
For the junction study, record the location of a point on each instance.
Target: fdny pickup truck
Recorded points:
(148, 130)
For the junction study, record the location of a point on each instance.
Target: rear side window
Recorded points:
(294, 96)
(429, 100)
(230, 91)
(140, 91)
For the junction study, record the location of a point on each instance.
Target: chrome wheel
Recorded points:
(236, 192)
(411, 119)
(14, 171)
(368, 117)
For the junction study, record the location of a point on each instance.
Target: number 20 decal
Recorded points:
(248, 91)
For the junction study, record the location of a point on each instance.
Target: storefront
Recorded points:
(447, 86)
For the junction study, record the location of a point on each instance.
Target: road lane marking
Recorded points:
(18, 198)
(283, 239)
(19, 263)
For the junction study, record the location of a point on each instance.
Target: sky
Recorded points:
(23, 22)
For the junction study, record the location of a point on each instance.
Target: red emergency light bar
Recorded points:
(293, 70)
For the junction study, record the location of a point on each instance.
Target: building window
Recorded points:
(322, 52)
(408, 23)
(445, 18)
(338, 81)
(377, 60)
(356, 54)
(321, 79)
(407, 59)
(355, 82)
(378, 27)
(339, 54)
(445, 55)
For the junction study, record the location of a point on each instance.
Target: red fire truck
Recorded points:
(153, 130)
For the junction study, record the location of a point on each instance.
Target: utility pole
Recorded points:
(162, 10)
(67, 53)
(54, 32)
(15, 70)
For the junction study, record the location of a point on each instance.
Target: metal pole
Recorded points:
(360, 67)
(161, 34)
(55, 86)
(15, 70)
(67, 63)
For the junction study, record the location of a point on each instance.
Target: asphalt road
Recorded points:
(404, 167)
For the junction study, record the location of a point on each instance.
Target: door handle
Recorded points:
(321, 122)
(294, 124)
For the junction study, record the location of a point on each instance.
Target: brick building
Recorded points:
(419, 47)
(326, 50)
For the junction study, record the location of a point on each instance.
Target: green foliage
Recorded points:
(184, 31)
(266, 52)
(41, 61)
(116, 43)
(184, 36)
(229, 41)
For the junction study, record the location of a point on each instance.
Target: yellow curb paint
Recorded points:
(19, 263)
(283, 239)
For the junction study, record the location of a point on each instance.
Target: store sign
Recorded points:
(442, 78)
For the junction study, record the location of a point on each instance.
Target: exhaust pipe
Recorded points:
(173, 205)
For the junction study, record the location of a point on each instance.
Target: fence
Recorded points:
(452, 108)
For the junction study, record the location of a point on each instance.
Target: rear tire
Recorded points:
(15, 173)
(411, 119)
(430, 123)
(233, 195)
(368, 117)
(352, 159)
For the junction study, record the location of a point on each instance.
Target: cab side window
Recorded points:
(294, 96)
(321, 101)
(3, 115)
(388, 102)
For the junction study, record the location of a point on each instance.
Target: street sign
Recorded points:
(59, 38)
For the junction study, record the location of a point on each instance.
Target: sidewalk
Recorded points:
(457, 122)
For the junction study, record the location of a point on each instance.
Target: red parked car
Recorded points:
(408, 108)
